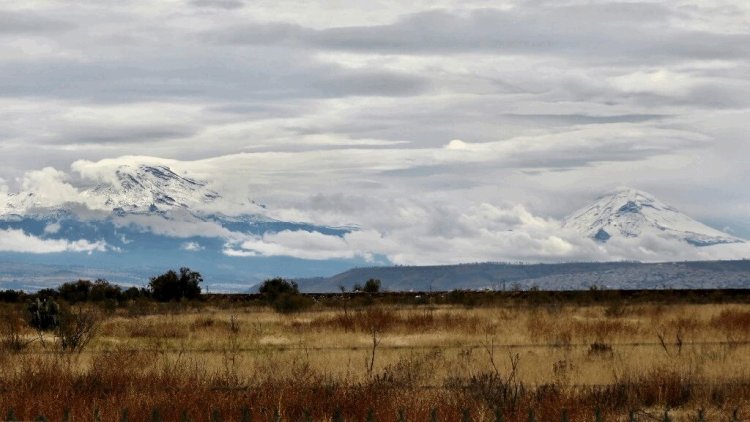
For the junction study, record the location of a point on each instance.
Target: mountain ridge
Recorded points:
(560, 276)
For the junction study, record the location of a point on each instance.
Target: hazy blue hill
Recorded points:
(567, 276)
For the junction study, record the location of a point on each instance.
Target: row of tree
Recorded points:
(170, 286)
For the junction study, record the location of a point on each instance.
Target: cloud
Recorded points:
(220, 4)
(295, 243)
(49, 187)
(348, 115)
(273, 75)
(662, 82)
(553, 31)
(400, 230)
(12, 240)
(413, 234)
(456, 144)
(29, 22)
(52, 228)
(176, 225)
(192, 247)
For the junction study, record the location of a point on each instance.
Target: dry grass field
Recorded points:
(382, 362)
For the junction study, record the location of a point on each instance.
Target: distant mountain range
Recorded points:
(568, 276)
(141, 220)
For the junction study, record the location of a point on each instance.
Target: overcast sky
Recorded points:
(332, 111)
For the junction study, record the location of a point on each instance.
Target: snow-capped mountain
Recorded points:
(130, 189)
(143, 219)
(140, 188)
(630, 213)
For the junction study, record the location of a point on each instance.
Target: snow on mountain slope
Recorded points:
(630, 213)
(132, 189)
(149, 199)
(142, 219)
(141, 188)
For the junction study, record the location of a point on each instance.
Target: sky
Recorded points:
(418, 122)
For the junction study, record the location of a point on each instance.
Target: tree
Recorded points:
(173, 286)
(75, 291)
(102, 290)
(283, 295)
(273, 288)
(133, 293)
(372, 286)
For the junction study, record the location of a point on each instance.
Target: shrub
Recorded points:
(283, 295)
(102, 290)
(134, 293)
(11, 296)
(11, 332)
(77, 291)
(172, 286)
(76, 328)
(273, 288)
(288, 303)
(372, 286)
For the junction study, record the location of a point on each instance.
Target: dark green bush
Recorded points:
(288, 303)
(283, 295)
(172, 286)
(372, 286)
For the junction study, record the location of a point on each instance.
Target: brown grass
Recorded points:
(443, 359)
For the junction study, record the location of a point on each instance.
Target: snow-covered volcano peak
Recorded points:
(631, 213)
(143, 187)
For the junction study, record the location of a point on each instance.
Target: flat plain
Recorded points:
(354, 359)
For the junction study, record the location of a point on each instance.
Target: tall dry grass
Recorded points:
(385, 360)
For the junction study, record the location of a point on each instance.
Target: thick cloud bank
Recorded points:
(399, 230)
(447, 131)
(18, 241)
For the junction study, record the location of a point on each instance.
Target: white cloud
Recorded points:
(178, 225)
(50, 187)
(52, 228)
(412, 234)
(456, 144)
(297, 243)
(12, 240)
(192, 247)
(662, 81)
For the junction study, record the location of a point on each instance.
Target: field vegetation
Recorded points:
(460, 356)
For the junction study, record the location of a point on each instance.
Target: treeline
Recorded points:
(170, 286)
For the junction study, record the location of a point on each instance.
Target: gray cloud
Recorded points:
(595, 32)
(221, 4)
(18, 22)
(281, 102)
(117, 135)
(209, 77)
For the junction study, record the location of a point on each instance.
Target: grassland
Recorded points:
(220, 360)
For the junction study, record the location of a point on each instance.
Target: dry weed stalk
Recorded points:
(375, 344)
